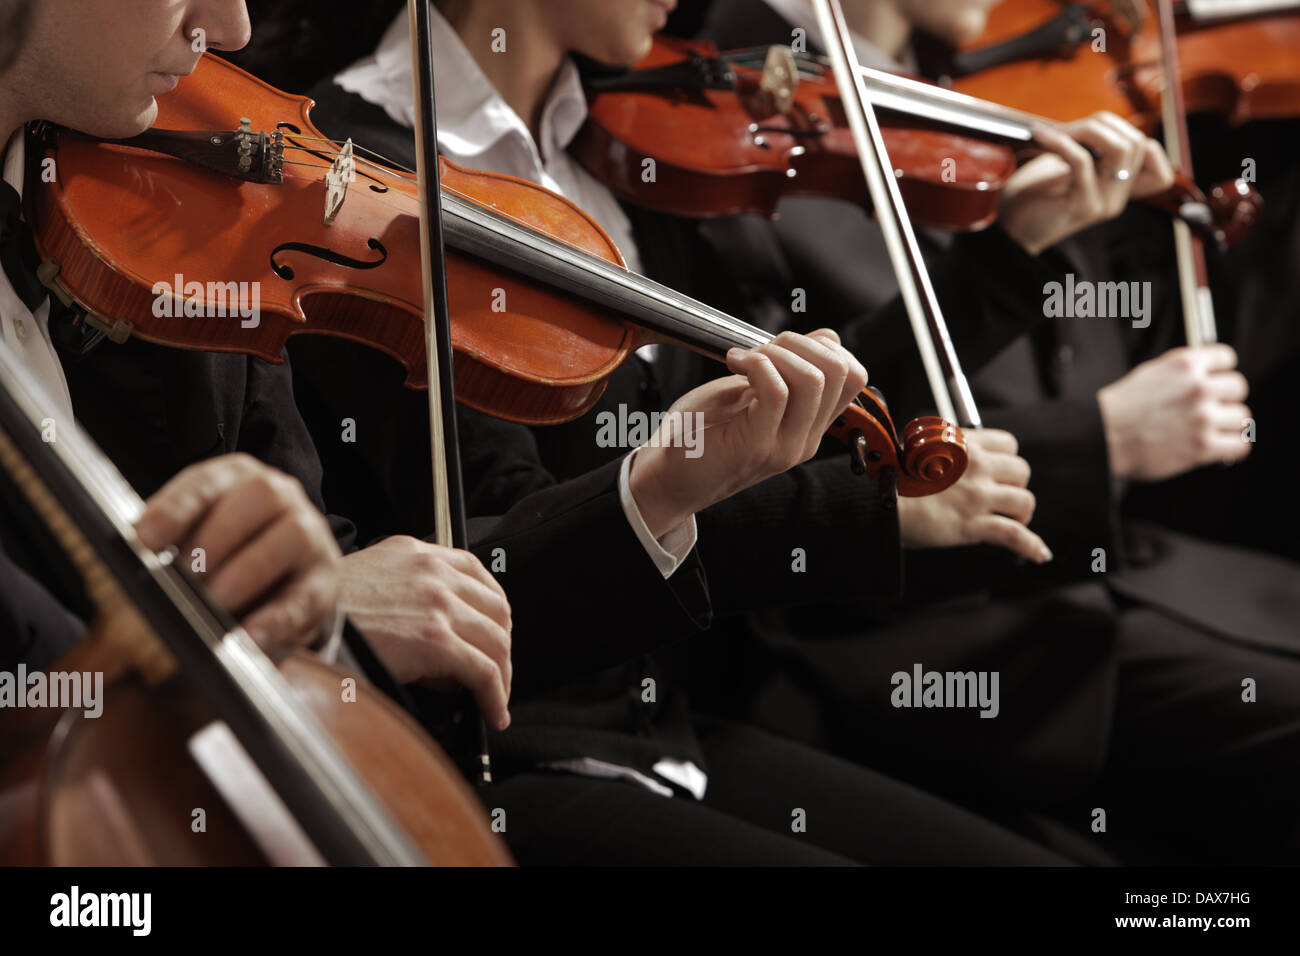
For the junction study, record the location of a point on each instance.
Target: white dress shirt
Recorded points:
(478, 129)
(27, 334)
(801, 14)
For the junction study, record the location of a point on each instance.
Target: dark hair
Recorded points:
(299, 42)
(15, 19)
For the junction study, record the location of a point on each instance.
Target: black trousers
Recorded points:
(760, 787)
(1150, 723)
(1210, 775)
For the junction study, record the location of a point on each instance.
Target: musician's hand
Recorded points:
(267, 554)
(991, 504)
(768, 417)
(1064, 190)
(1175, 413)
(434, 615)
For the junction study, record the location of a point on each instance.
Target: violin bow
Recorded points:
(1193, 275)
(952, 394)
(448, 490)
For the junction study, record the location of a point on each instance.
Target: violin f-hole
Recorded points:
(329, 255)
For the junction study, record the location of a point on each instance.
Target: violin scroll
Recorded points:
(1237, 207)
(930, 457)
(934, 456)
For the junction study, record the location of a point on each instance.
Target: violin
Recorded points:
(543, 309)
(733, 132)
(1153, 66)
(1237, 59)
(274, 760)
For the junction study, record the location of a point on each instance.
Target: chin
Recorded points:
(637, 49)
(967, 28)
(136, 124)
(626, 51)
(122, 123)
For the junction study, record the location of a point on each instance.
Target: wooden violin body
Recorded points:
(690, 132)
(543, 310)
(723, 150)
(1244, 70)
(120, 220)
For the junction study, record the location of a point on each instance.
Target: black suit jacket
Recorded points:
(383, 477)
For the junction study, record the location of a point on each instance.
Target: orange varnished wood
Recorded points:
(707, 162)
(1244, 70)
(119, 220)
(88, 792)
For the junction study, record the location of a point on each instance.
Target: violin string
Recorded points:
(356, 146)
(293, 162)
(809, 65)
(523, 233)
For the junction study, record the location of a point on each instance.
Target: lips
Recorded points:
(164, 82)
(662, 8)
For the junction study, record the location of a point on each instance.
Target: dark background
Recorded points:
(296, 43)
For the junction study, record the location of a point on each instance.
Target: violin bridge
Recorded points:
(780, 77)
(341, 172)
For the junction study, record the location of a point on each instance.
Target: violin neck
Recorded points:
(668, 315)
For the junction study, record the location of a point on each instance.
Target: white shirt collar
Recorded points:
(15, 160)
(24, 333)
(472, 116)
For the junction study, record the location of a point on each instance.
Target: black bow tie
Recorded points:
(17, 251)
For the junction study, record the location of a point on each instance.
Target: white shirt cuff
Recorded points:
(667, 552)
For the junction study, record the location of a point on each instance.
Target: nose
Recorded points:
(225, 22)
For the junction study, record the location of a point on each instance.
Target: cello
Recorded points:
(276, 759)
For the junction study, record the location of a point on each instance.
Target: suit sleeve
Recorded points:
(35, 629)
(1077, 510)
(813, 535)
(272, 430)
(990, 290)
(583, 592)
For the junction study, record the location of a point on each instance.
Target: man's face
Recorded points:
(96, 65)
(956, 21)
(613, 32)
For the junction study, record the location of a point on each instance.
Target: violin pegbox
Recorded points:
(256, 157)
